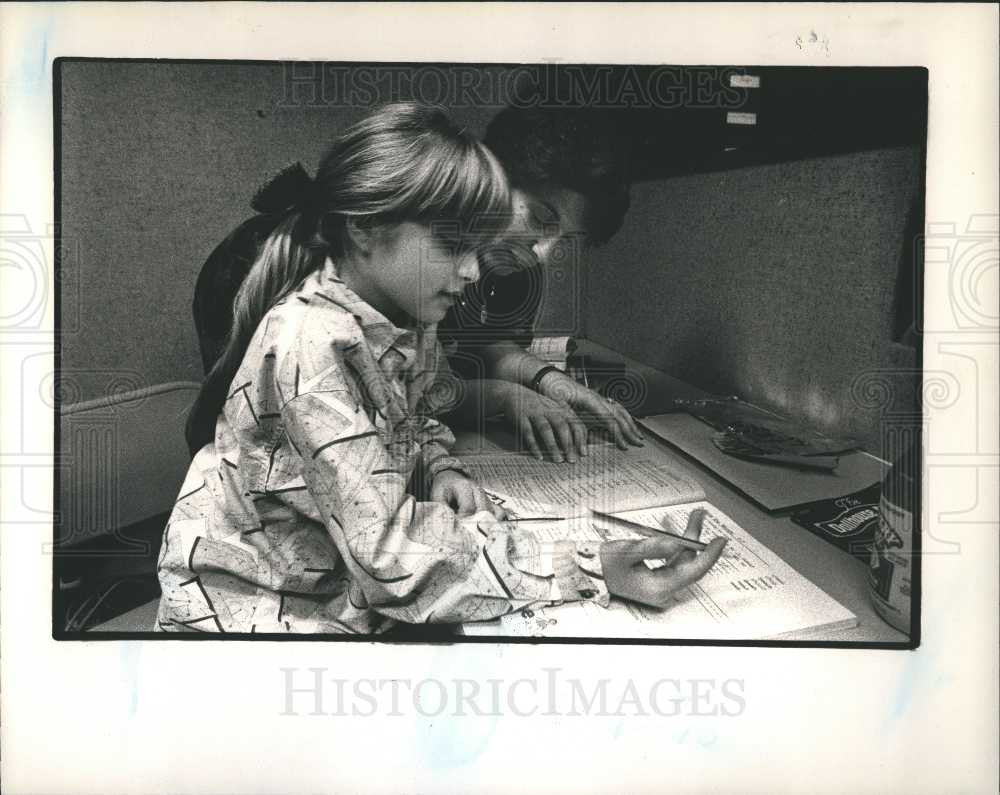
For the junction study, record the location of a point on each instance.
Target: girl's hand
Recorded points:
(540, 421)
(463, 495)
(592, 409)
(628, 577)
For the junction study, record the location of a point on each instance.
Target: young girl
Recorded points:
(295, 514)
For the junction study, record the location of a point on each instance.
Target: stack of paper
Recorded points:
(750, 594)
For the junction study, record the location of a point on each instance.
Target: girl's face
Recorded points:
(409, 276)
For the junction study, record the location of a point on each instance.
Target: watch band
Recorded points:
(537, 380)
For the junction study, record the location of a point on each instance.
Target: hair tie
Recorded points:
(290, 189)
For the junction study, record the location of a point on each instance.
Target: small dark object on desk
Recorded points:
(763, 429)
(847, 522)
(734, 444)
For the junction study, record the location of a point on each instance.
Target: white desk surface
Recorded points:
(840, 575)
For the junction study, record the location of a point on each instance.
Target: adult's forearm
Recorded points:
(507, 361)
(481, 398)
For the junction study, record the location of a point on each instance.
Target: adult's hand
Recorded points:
(545, 424)
(595, 411)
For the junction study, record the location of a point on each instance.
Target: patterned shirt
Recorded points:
(298, 517)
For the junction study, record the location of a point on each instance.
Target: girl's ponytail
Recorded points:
(290, 253)
(290, 189)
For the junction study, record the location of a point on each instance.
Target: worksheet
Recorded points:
(606, 479)
(750, 594)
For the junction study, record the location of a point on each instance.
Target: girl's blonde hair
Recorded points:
(405, 162)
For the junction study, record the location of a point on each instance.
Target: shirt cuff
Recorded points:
(437, 460)
(574, 570)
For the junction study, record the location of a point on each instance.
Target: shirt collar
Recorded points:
(380, 332)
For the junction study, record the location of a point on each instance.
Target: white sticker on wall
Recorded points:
(744, 81)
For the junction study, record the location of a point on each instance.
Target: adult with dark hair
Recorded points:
(570, 190)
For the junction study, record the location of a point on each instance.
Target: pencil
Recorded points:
(690, 543)
(536, 519)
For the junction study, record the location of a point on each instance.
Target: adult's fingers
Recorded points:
(627, 425)
(564, 432)
(579, 429)
(543, 432)
(523, 425)
(566, 416)
(608, 419)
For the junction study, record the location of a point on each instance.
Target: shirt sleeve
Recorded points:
(416, 561)
(435, 438)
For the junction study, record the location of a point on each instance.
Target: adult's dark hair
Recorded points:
(576, 148)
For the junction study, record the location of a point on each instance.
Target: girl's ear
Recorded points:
(360, 234)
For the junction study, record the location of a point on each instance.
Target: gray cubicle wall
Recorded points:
(159, 162)
(776, 282)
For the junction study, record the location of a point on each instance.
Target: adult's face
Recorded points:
(550, 221)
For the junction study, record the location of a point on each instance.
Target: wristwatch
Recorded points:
(537, 380)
